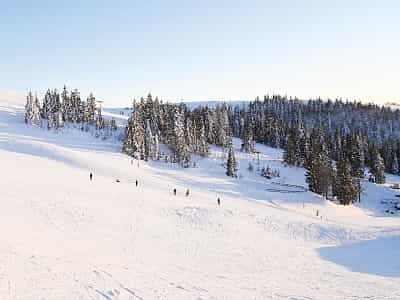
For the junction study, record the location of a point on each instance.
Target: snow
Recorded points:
(64, 237)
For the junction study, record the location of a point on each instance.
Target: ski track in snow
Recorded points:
(64, 237)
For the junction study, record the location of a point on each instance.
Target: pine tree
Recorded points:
(312, 176)
(209, 126)
(248, 144)
(326, 173)
(151, 145)
(90, 109)
(138, 132)
(66, 105)
(28, 108)
(36, 119)
(357, 157)
(176, 138)
(148, 141)
(319, 176)
(46, 108)
(200, 140)
(345, 189)
(378, 168)
(74, 106)
(32, 111)
(290, 153)
(222, 127)
(129, 145)
(231, 166)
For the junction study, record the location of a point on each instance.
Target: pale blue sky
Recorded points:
(202, 49)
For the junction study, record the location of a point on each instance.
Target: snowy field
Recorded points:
(64, 237)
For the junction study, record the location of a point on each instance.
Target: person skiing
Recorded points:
(174, 192)
(219, 201)
(187, 192)
(137, 182)
(91, 176)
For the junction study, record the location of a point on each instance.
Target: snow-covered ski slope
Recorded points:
(64, 237)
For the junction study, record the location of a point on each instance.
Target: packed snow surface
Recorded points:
(66, 237)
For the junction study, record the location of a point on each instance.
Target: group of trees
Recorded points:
(183, 131)
(153, 122)
(334, 140)
(57, 109)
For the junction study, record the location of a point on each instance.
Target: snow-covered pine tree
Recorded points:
(46, 108)
(302, 145)
(75, 106)
(32, 111)
(226, 138)
(357, 159)
(128, 146)
(378, 168)
(65, 104)
(201, 140)
(316, 183)
(56, 110)
(190, 137)
(28, 108)
(319, 175)
(222, 130)
(248, 144)
(326, 172)
(238, 122)
(180, 148)
(209, 125)
(290, 154)
(231, 166)
(138, 130)
(91, 109)
(151, 145)
(344, 187)
(35, 117)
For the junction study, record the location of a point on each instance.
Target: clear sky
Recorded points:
(205, 49)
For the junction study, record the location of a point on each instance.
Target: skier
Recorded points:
(174, 192)
(136, 182)
(117, 180)
(91, 176)
(219, 201)
(187, 192)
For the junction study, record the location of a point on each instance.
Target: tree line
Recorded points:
(334, 140)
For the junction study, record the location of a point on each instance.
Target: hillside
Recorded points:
(66, 237)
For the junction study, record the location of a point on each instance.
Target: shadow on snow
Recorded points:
(376, 257)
